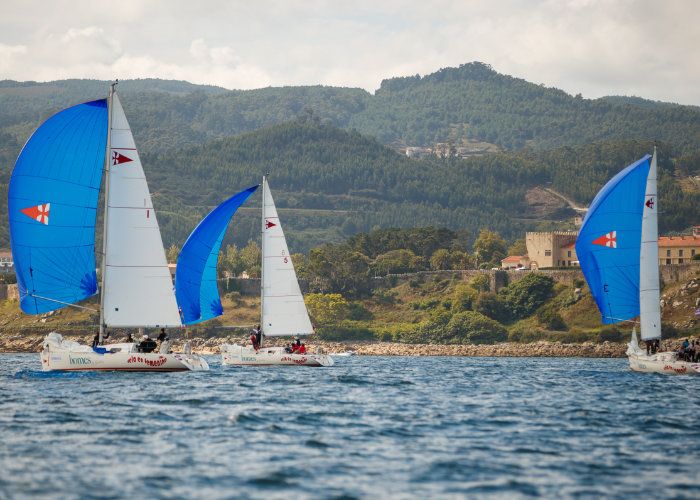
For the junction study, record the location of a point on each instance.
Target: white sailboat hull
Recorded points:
(60, 355)
(234, 354)
(662, 362)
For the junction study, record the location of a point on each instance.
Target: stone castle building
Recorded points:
(551, 249)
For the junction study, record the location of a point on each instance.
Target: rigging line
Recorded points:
(61, 302)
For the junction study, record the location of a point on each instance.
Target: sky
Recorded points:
(647, 48)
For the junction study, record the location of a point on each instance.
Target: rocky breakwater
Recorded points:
(32, 343)
(535, 349)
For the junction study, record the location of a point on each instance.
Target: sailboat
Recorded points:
(618, 251)
(53, 203)
(282, 308)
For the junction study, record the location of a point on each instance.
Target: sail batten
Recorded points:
(196, 286)
(283, 312)
(52, 208)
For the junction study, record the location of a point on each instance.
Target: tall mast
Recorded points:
(262, 256)
(650, 311)
(108, 162)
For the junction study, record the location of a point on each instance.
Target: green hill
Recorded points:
(330, 183)
(332, 173)
(471, 102)
(474, 101)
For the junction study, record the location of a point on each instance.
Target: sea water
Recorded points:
(367, 427)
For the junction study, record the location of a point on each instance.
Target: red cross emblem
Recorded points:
(607, 240)
(650, 203)
(118, 158)
(39, 213)
(269, 224)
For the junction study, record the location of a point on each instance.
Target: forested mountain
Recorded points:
(469, 102)
(332, 174)
(331, 183)
(473, 101)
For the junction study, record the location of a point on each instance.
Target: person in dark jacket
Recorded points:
(147, 344)
(162, 337)
(258, 335)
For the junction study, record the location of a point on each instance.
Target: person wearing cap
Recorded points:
(147, 344)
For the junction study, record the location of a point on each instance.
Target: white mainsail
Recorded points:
(138, 289)
(649, 299)
(283, 311)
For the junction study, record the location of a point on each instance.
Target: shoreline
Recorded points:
(21, 344)
(18, 344)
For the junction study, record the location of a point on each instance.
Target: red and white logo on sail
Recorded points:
(607, 240)
(269, 224)
(39, 213)
(118, 158)
(650, 203)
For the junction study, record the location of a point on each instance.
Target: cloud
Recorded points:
(10, 56)
(596, 47)
(90, 53)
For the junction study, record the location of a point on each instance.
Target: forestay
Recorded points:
(649, 298)
(138, 289)
(52, 205)
(283, 308)
(196, 288)
(609, 243)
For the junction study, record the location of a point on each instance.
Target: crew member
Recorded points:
(255, 337)
(162, 337)
(147, 344)
(258, 335)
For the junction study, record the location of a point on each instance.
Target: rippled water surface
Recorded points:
(369, 426)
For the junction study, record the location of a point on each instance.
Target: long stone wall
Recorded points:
(679, 272)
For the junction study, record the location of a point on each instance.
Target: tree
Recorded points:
(339, 269)
(397, 261)
(518, 247)
(490, 247)
(231, 262)
(481, 283)
(172, 253)
(461, 260)
(491, 305)
(251, 256)
(440, 259)
(300, 264)
(475, 328)
(326, 308)
(523, 297)
(463, 298)
(550, 318)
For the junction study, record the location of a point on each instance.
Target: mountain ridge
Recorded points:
(469, 102)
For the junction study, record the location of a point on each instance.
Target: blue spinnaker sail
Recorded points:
(609, 243)
(196, 289)
(52, 205)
